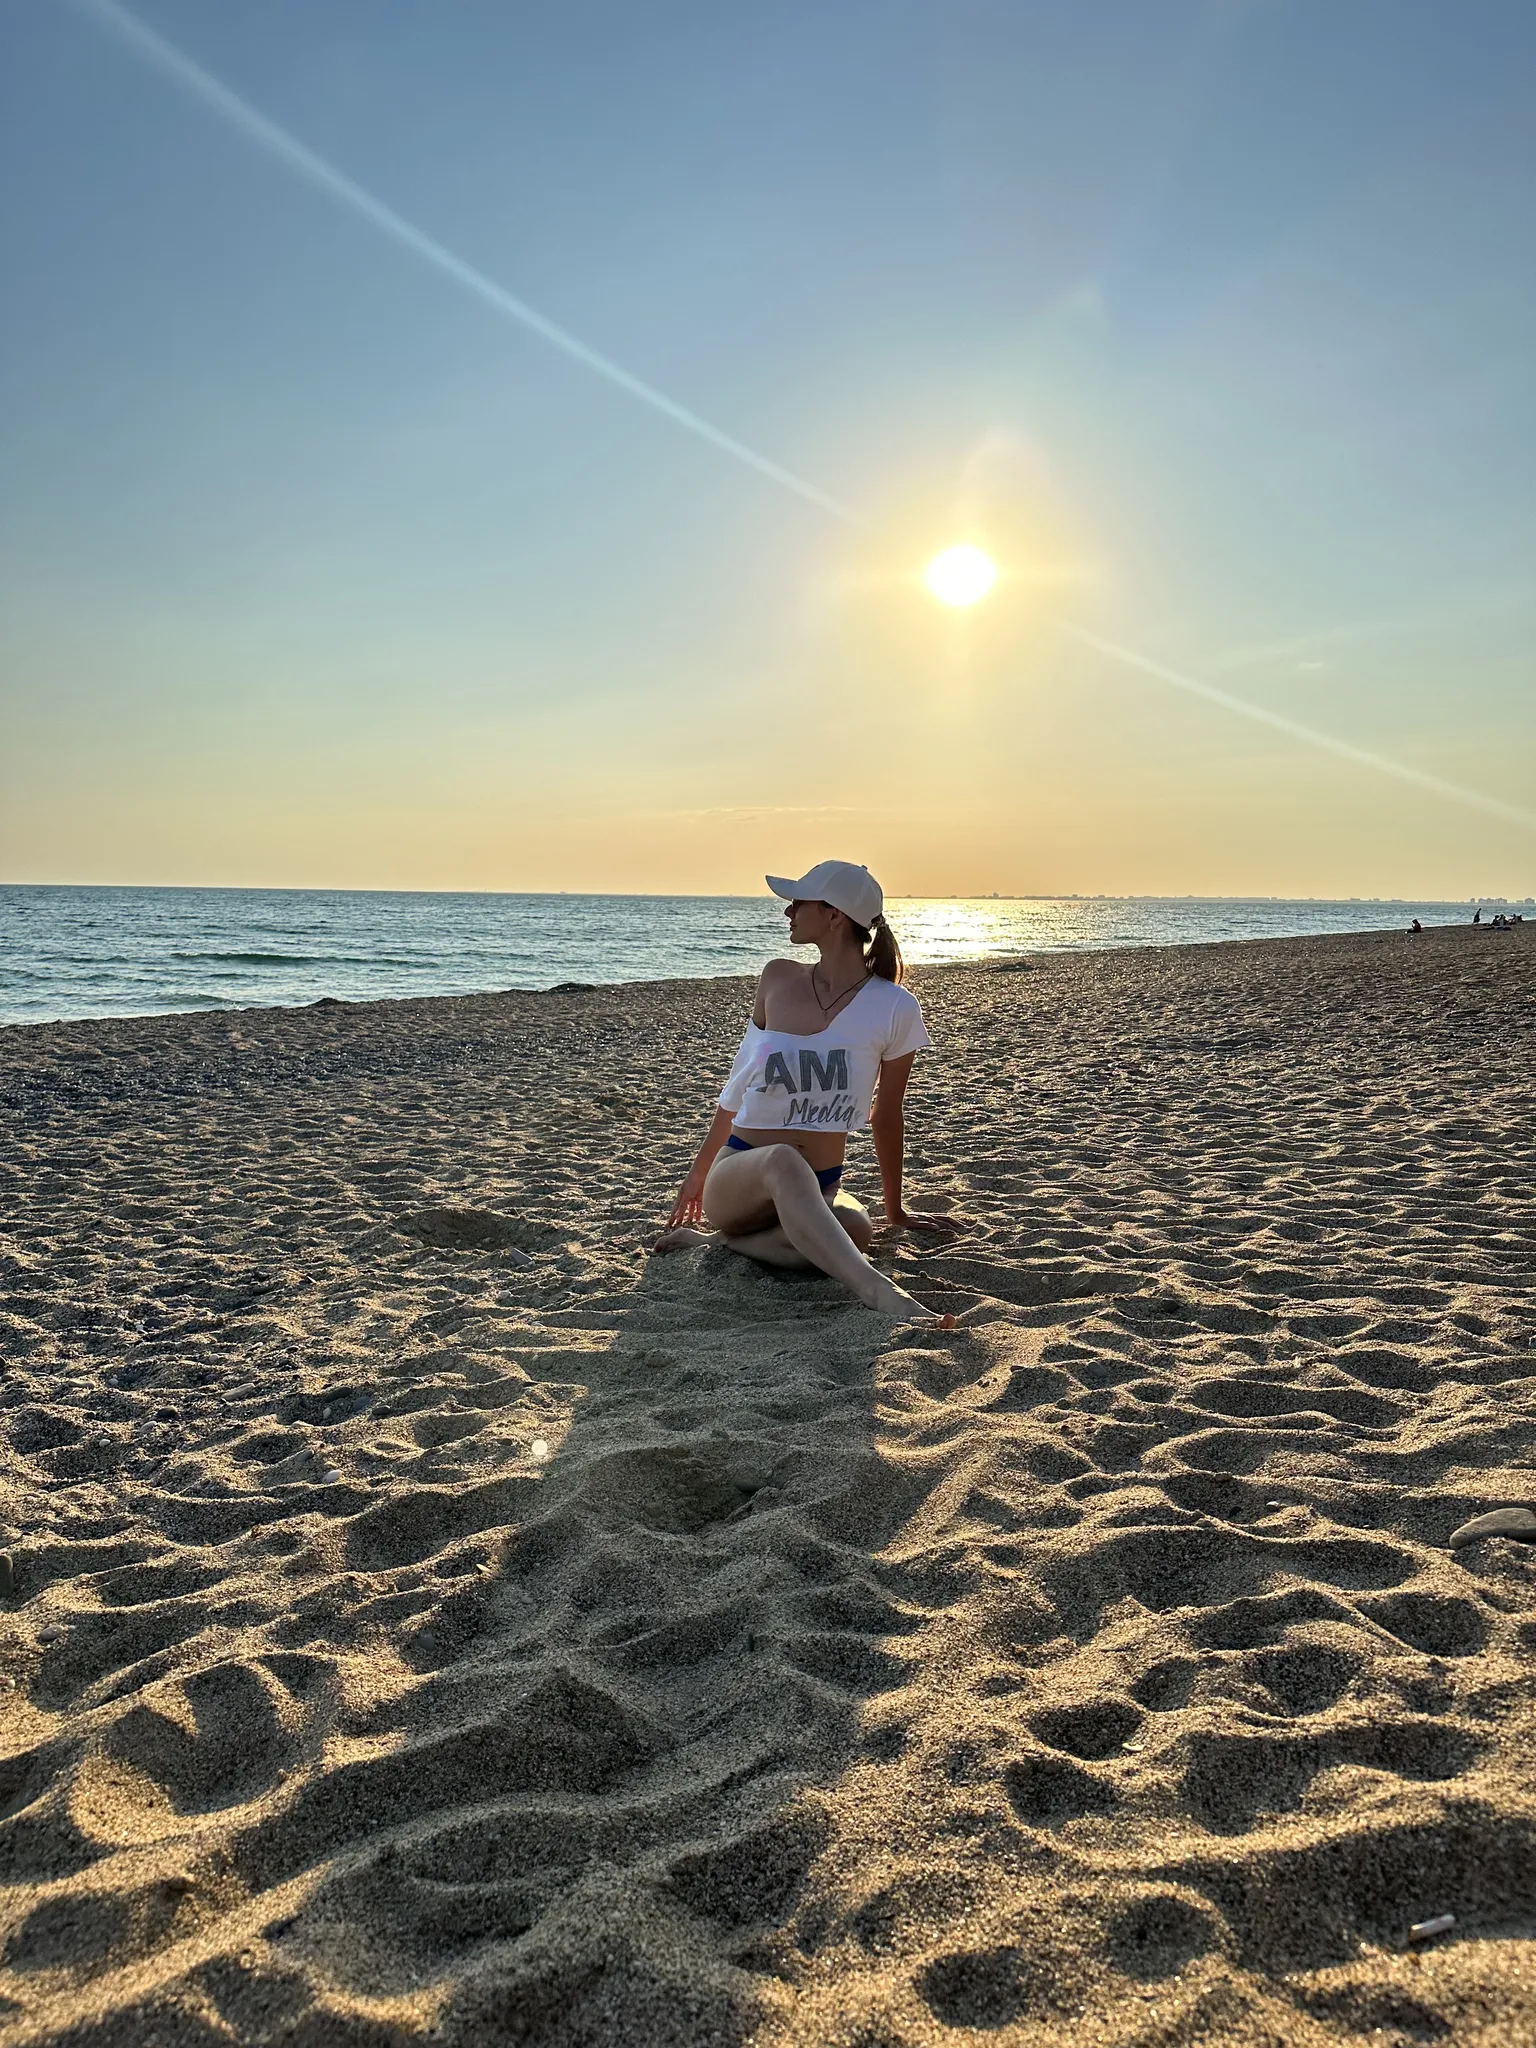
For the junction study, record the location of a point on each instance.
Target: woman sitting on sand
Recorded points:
(829, 1049)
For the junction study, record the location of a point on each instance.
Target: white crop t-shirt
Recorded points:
(825, 1082)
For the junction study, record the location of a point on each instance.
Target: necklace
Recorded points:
(827, 1006)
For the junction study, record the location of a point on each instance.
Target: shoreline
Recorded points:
(425, 1619)
(978, 964)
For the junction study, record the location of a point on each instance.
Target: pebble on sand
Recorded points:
(1519, 1523)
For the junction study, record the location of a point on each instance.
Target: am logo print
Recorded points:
(821, 1099)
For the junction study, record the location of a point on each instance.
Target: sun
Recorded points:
(961, 575)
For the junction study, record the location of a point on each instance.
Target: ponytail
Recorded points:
(882, 955)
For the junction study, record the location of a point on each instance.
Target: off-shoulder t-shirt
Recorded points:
(825, 1082)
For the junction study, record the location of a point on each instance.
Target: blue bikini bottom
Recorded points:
(827, 1176)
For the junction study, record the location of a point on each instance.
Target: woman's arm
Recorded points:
(888, 1128)
(689, 1206)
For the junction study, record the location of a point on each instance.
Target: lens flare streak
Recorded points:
(256, 127)
(165, 57)
(1362, 756)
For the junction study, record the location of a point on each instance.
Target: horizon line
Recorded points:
(733, 896)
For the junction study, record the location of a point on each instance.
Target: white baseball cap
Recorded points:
(853, 890)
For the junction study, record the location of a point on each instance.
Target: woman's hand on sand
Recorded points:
(689, 1206)
(922, 1219)
(682, 1233)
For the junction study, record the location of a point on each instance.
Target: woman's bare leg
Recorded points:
(769, 1246)
(773, 1247)
(855, 1219)
(742, 1185)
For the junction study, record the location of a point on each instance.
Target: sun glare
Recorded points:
(961, 575)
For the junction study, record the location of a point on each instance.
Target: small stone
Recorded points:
(7, 1575)
(1520, 1523)
(55, 1632)
(1426, 1930)
(330, 1478)
(538, 1448)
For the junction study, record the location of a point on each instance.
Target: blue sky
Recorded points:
(1212, 321)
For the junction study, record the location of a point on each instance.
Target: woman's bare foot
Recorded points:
(887, 1299)
(684, 1239)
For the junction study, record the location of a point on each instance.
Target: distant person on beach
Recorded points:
(1415, 926)
(1477, 915)
(829, 1049)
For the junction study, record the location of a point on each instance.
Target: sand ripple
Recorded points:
(424, 1618)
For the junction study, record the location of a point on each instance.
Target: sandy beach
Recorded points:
(424, 1617)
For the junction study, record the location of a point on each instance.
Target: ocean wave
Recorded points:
(145, 952)
(303, 959)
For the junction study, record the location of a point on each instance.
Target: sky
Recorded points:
(1211, 320)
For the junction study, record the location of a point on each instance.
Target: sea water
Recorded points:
(119, 952)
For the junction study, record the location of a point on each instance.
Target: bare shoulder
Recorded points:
(777, 974)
